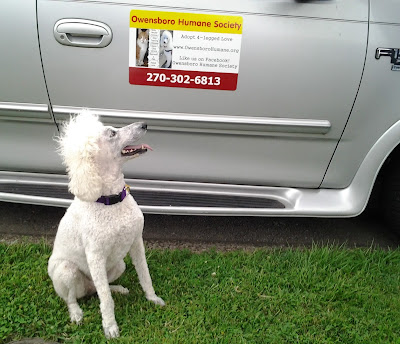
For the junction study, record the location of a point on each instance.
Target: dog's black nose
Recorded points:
(144, 126)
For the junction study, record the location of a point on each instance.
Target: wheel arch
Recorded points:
(376, 165)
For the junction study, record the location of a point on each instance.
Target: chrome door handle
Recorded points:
(82, 33)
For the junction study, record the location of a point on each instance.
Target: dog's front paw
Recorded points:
(111, 331)
(157, 300)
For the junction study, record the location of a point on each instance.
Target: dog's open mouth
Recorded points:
(135, 150)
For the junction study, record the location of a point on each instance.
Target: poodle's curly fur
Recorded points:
(93, 238)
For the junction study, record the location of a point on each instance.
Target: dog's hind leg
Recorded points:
(114, 274)
(75, 312)
(119, 289)
(138, 256)
(70, 284)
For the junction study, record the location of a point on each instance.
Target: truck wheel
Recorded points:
(391, 198)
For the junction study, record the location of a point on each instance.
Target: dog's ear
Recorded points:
(78, 146)
(84, 179)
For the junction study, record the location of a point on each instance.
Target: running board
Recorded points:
(150, 198)
(187, 198)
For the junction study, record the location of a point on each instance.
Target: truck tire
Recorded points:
(391, 198)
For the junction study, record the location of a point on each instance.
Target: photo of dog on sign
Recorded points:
(166, 47)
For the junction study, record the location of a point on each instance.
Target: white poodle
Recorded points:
(103, 223)
(166, 47)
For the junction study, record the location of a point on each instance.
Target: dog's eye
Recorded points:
(112, 133)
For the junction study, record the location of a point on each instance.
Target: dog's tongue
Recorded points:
(138, 147)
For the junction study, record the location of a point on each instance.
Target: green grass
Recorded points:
(318, 295)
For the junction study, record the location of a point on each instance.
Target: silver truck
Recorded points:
(300, 117)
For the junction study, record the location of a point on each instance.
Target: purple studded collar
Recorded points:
(113, 199)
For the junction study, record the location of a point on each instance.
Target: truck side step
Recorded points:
(153, 198)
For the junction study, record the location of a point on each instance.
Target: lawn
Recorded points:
(319, 295)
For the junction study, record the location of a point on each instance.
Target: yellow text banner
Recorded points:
(142, 19)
